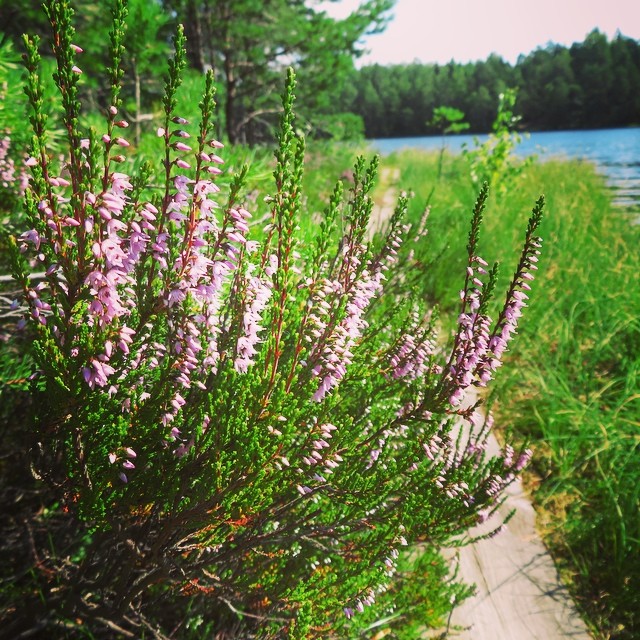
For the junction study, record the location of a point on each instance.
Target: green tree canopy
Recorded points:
(249, 43)
(595, 83)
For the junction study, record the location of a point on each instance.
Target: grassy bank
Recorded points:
(571, 385)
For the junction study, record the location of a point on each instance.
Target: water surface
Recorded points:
(616, 153)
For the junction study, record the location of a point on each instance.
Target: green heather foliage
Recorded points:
(239, 432)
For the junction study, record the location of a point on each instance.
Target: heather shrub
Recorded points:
(239, 431)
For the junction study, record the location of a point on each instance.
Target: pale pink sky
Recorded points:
(467, 30)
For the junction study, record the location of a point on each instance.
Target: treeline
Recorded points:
(591, 84)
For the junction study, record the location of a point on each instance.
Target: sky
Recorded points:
(437, 31)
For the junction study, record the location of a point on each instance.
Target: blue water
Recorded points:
(616, 153)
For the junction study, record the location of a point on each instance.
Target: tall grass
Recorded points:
(572, 385)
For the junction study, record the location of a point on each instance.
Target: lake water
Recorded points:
(616, 153)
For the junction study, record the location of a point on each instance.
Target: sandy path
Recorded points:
(384, 204)
(518, 591)
(519, 595)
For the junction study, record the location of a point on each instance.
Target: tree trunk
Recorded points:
(193, 31)
(230, 102)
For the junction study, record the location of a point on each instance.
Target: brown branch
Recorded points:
(114, 627)
(252, 615)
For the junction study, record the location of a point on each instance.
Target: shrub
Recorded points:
(237, 430)
(493, 161)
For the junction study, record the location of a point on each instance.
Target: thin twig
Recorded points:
(114, 627)
(32, 276)
(252, 615)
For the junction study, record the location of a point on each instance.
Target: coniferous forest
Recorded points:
(592, 84)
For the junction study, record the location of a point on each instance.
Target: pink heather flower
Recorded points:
(77, 70)
(160, 132)
(181, 146)
(508, 456)
(97, 373)
(176, 296)
(126, 338)
(181, 183)
(336, 354)
(205, 187)
(178, 401)
(252, 246)
(76, 48)
(32, 236)
(119, 184)
(523, 459)
(183, 449)
(236, 237)
(410, 359)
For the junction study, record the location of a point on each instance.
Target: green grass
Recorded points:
(571, 383)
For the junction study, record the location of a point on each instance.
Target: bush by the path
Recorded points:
(238, 433)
